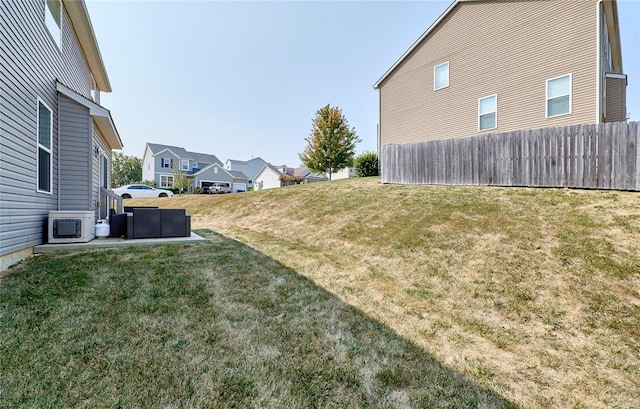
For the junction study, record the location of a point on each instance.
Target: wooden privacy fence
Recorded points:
(598, 156)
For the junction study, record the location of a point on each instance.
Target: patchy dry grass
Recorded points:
(533, 293)
(208, 325)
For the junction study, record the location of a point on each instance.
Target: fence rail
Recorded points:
(598, 156)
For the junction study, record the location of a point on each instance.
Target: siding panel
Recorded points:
(75, 148)
(616, 104)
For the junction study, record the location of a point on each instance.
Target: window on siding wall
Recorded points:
(488, 112)
(167, 163)
(45, 136)
(52, 12)
(441, 76)
(185, 164)
(104, 169)
(166, 181)
(559, 96)
(95, 92)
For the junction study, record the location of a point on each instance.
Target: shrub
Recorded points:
(366, 164)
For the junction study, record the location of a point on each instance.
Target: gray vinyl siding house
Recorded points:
(55, 138)
(161, 162)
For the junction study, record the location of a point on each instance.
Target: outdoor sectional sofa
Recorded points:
(150, 222)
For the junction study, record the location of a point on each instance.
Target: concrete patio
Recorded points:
(116, 242)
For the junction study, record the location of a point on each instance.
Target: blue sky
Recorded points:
(244, 79)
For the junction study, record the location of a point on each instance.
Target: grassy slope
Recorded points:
(209, 325)
(533, 293)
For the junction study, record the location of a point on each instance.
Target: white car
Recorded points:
(138, 191)
(218, 188)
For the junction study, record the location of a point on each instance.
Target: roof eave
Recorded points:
(417, 42)
(108, 129)
(79, 16)
(613, 25)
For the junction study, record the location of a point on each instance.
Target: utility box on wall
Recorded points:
(71, 226)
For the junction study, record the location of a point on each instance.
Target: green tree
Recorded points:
(125, 169)
(366, 164)
(181, 181)
(331, 144)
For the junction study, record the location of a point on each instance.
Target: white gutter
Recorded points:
(379, 131)
(81, 22)
(58, 158)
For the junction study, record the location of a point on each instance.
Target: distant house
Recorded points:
(161, 162)
(491, 66)
(306, 175)
(55, 137)
(348, 172)
(250, 168)
(216, 173)
(271, 177)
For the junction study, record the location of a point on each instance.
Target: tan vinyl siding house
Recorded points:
(508, 50)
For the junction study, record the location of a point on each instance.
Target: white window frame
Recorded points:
(547, 99)
(435, 76)
(103, 165)
(185, 162)
(169, 161)
(54, 27)
(95, 92)
(39, 146)
(167, 175)
(480, 113)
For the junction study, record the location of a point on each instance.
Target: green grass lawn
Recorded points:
(216, 324)
(342, 294)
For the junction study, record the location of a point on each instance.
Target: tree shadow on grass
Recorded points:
(214, 324)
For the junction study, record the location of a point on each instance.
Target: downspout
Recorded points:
(58, 158)
(378, 128)
(598, 61)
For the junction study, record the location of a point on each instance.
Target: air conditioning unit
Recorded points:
(71, 226)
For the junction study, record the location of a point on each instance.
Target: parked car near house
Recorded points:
(141, 191)
(217, 188)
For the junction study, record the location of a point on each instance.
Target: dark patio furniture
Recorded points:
(151, 222)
